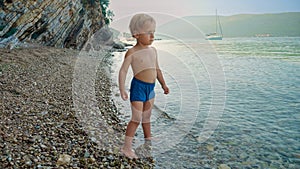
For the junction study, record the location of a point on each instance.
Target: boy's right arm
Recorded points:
(122, 75)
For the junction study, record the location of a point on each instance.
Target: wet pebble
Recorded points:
(210, 147)
(223, 166)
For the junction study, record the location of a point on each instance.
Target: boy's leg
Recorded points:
(136, 117)
(147, 109)
(136, 108)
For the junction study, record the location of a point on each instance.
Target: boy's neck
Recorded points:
(141, 46)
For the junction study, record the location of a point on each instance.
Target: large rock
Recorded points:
(64, 23)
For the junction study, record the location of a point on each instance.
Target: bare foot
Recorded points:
(129, 153)
(144, 150)
(152, 139)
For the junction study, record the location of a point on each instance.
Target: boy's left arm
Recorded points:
(160, 76)
(162, 82)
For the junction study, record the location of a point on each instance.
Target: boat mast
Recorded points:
(218, 24)
(216, 21)
(220, 27)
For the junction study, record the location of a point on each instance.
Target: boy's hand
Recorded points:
(124, 95)
(166, 89)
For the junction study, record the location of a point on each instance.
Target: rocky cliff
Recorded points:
(59, 23)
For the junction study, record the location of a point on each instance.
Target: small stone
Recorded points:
(110, 158)
(92, 160)
(43, 146)
(110, 130)
(63, 159)
(94, 139)
(31, 140)
(86, 154)
(210, 147)
(44, 113)
(243, 155)
(116, 150)
(297, 155)
(9, 159)
(35, 160)
(223, 166)
(28, 163)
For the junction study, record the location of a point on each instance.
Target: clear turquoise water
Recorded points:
(259, 126)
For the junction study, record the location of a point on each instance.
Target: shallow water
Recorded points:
(254, 112)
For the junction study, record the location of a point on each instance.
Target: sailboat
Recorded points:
(216, 35)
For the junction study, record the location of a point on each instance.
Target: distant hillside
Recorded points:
(243, 25)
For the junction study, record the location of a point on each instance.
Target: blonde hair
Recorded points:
(138, 21)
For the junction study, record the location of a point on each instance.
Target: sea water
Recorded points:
(234, 103)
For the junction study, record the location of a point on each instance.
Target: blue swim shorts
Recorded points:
(141, 91)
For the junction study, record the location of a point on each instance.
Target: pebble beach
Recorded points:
(39, 127)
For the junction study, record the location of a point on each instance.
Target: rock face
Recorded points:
(59, 23)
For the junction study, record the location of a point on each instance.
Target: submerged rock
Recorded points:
(223, 166)
(210, 148)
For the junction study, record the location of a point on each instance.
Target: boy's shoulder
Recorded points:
(134, 50)
(129, 52)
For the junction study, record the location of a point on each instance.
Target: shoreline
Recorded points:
(39, 125)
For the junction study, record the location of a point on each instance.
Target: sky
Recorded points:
(166, 10)
(180, 8)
